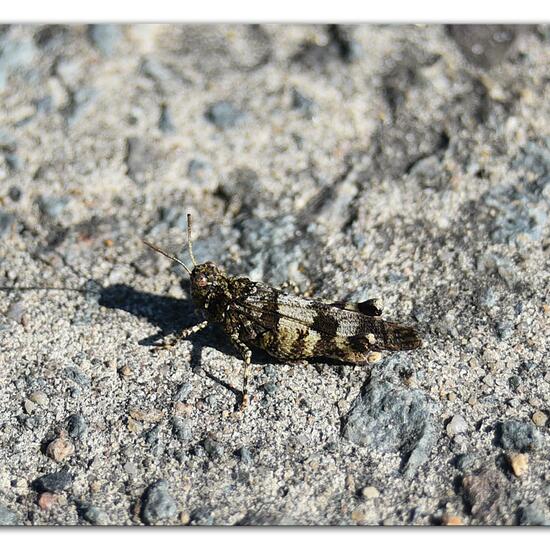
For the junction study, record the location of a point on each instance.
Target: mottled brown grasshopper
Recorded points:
(288, 327)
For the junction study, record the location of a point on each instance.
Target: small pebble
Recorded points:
(29, 406)
(370, 492)
(151, 415)
(15, 193)
(449, 519)
(456, 426)
(125, 371)
(134, 426)
(183, 409)
(60, 449)
(539, 418)
(301, 102)
(223, 114)
(16, 311)
(374, 357)
(157, 503)
(519, 463)
(183, 391)
(39, 397)
(47, 500)
(130, 468)
(184, 518)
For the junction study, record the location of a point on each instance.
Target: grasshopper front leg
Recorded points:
(169, 343)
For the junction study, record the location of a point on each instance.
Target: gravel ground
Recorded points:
(410, 163)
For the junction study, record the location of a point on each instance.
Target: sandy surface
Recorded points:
(410, 163)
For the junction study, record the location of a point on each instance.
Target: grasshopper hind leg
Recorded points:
(246, 354)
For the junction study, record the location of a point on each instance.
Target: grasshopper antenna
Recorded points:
(173, 258)
(189, 239)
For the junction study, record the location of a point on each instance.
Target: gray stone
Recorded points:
(224, 115)
(54, 482)
(245, 455)
(16, 311)
(7, 517)
(213, 448)
(95, 516)
(466, 462)
(518, 436)
(105, 37)
(81, 102)
(76, 375)
(388, 418)
(50, 35)
(183, 391)
(533, 514)
(76, 426)
(504, 329)
(270, 388)
(15, 55)
(302, 103)
(182, 428)
(202, 516)
(157, 503)
(44, 104)
(155, 70)
(166, 123)
(14, 193)
(14, 162)
(6, 222)
(484, 45)
(8, 143)
(52, 207)
(152, 436)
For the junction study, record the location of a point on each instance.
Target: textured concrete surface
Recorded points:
(410, 163)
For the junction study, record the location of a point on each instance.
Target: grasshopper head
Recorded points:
(207, 280)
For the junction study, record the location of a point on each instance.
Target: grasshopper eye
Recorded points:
(202, 280)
